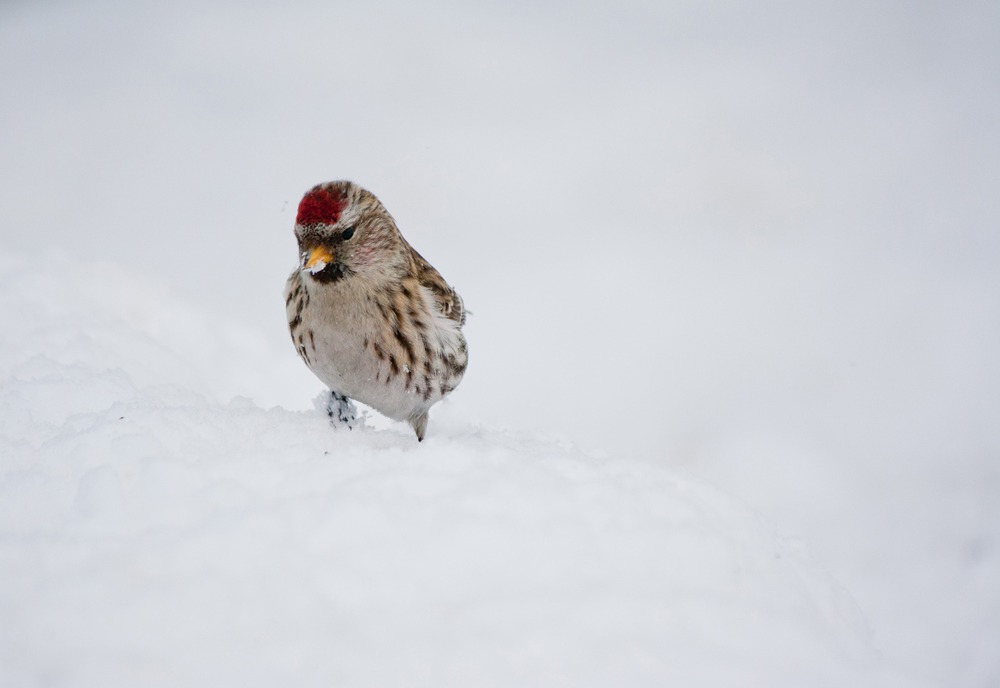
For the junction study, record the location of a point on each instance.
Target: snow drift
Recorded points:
(152, 535)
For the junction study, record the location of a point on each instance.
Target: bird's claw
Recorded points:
(341, 411)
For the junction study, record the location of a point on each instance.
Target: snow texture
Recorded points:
(735, 302)
(149, 536)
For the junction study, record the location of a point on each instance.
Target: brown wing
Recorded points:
(447, 300)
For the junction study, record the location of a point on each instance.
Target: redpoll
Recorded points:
(370, 317)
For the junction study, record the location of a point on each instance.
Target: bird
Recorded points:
(369, 316)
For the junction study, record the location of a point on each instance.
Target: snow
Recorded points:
(153, 536)
(730, 416)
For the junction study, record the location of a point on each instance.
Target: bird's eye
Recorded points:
(347, 233)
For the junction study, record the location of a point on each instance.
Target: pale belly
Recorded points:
(345, 363)
(351, 351)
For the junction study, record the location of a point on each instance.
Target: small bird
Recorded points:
(370, 317)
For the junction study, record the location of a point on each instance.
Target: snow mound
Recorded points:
(151, 535)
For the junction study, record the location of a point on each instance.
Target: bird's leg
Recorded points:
(341, 411)
(419, 425)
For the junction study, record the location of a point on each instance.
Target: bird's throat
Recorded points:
(331, 272)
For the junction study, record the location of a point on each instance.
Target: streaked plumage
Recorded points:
(370, 317)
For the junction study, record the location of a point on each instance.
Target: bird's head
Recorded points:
(344, 232)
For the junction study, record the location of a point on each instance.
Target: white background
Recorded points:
(753, 243)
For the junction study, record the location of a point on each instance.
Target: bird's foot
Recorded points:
(419, 425)
(341, 411)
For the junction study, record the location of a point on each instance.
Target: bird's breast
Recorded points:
(398, 361)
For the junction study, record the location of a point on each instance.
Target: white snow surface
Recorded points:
(150, 536)
(731, 410)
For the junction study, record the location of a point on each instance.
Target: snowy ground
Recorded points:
(731, 412)
(153, 537)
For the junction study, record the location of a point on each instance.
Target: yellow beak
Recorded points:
(318, 259)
